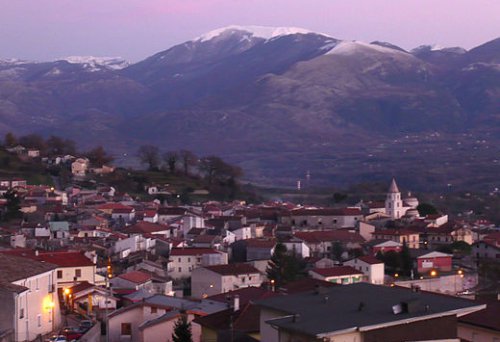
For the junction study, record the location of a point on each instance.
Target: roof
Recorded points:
(260, 243)
(305, 285)
(393, 188)
(192, 251)
(81, 287)
(232, 269)
(370, 260)
(337, 271)
(389, 243)
(145, 227)
(435, 254)
(487, 318)
(394, 232)
(172, 211)
(17, 268)
(61, 259)
(246, 295)
(359, 306)
(136, 277)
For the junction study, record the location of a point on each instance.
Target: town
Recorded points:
(83, 259)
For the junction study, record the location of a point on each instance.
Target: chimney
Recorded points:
(236, 303)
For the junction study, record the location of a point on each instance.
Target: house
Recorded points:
(126, 214)
(259, 249)
(153, 318)
(320, 242)
(71, 266)
(135, 243)
(143, 227)
(362, 312)
(79, 167)
(184, 260)
(323, 218)
(386, 246)
(482, 325)
(407, 236)
(488, 248)
(296, 246)
(210, 280)
(32, 153)
(136, 280)
(30, 305)
(434, 261)
(87, 298)
(338, 275)
(372, 268)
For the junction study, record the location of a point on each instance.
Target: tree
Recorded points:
(188, 159)
(171, 158)
(150, 155)
(10, 140)
(425, 209)
(406, 261)
(13, 205)
(284, 267)
(215, 168)
(57, 146)
(98, 156)
(33, 141)
(337, 250)
(182, 329)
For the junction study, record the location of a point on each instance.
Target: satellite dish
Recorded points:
(397, 309)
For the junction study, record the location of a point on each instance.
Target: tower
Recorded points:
(393, 202)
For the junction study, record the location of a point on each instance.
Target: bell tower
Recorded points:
(393, 201)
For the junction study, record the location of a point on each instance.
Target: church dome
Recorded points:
(412, 213)
(411, 201)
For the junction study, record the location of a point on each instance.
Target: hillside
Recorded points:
(279, 102)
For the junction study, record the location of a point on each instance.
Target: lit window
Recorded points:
(126, 329)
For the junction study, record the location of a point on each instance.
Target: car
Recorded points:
(86, 324)
(57, 338)
(72, 333)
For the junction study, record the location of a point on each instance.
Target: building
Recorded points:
(362, 312)
(323, 218)
(343, 275)
(184, 260)
(30, 306)
(372, 268)
(395, 206)
(483, 325)
(212, 280)
(434, 261)
(79, 167)
(411, 238)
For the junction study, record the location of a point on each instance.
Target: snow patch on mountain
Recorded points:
(92, 63)
(436, 47)
(264, 32)
(351, 47)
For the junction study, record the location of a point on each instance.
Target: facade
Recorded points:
(212, 280)
(327, 218)
(343, 275)
(411, 238)
(434, 261)
(184, 260)
(30, 305)
(372, 268)
(79, 167)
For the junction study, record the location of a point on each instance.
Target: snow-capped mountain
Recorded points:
(92, 63)
(264, 32)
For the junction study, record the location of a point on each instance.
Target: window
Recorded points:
(126, 329)
(78, 273)
(36, 284)
(189, 259)
(179, 259)
(39, 320)
(180, 269)
(59, 274)
(21, 313)
(153, 310)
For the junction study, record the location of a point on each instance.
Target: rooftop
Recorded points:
(360, 306)
(16, 268)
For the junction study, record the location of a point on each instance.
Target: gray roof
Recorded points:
(208, 306)
(393, 188)
(16, 268)
(357, 306)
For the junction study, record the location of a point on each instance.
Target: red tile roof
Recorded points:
(145, 227)
(61, 259)
(336, 271)
(370, 260)
(112, 206)
(327, 212)
(260, 243)
(137, 277)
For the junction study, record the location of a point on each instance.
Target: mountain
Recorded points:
(279, 102)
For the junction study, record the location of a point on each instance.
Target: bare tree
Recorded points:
(150, 155)
(188, 159)
(171, 158)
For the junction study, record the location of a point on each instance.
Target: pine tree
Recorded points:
(276, 267)
(182, 330)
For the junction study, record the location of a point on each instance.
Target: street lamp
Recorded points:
(433, 274)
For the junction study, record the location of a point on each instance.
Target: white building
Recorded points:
(184, 260)
(395, 206)
(372, 268)
(211, 280)
(79, 167)
(30, 306)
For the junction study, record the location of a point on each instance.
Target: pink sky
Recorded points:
(135, 29)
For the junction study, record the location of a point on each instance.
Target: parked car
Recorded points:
(86, 324)
(72, 333)
(57, 338)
